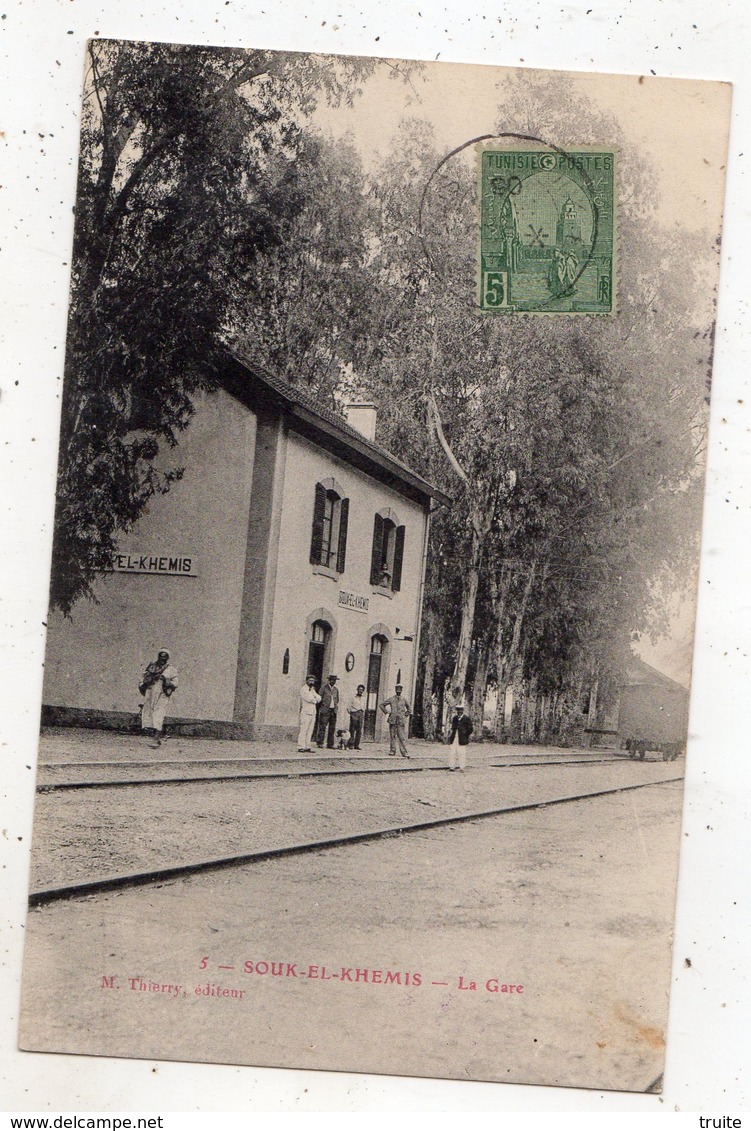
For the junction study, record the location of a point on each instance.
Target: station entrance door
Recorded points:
(373, 690)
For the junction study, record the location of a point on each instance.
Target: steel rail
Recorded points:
(178, 871)
(287, 775)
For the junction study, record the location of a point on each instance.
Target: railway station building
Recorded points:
(292, 544)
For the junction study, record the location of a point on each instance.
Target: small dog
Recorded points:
(343, 737)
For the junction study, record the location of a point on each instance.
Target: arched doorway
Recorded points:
(318, 650)
(378, 647)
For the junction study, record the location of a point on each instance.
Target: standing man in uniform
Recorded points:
(309, 698)
(327, 713)
(356, 711)
(398, 711)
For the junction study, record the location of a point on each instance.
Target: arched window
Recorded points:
(328, 541)
(320, 635)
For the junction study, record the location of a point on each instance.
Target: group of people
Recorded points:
(346, 737)
(318, 712)
(327, 706)
(396, 709)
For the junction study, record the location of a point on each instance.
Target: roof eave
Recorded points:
(344, 441)
(369, 459)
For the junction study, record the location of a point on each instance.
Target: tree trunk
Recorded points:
(542, 716)
(556, 724)
(506, 662)
(429, 649)
(499, 585)
(518, 707)
(592, 712)
(499, 721)
(479, 692)
(469, 599)
(428, 710)
(570, 700)
(439, 719)
(546, 716)
(530, 712)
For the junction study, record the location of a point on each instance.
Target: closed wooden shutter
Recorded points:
(396, 580)
(341, 550)
(376, 560)
(316, 538)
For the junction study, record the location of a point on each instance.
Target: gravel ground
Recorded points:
(574, 902)
(92, 834)
(67, 746)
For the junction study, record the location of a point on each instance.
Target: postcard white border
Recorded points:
(42, 44)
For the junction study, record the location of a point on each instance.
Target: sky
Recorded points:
(679, 125)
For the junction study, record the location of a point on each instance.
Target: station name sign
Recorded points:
(353, 601)
(172, 565)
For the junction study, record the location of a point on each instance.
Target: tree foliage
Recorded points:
(571, 445)
(307, 309)
(209, 210)
(187, 175)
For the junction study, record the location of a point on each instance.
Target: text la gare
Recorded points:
(492, 985)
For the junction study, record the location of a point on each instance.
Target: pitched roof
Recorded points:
(258, 388)
(638, 672)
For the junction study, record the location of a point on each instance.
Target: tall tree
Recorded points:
(187, 171)
(307, 311)
(573, 466)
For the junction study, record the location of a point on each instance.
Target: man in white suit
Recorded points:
(309, 699)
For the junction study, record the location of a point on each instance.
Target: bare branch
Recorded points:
(442, 439)
(96, 82)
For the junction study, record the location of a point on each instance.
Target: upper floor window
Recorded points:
(388, 551)
(328, 541)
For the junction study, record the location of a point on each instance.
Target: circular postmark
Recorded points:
(567, 265)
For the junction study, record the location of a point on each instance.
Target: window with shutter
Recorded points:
(377, 553)
(396, 578)
(328, 543)
(341, 555)
(316, 539)
(388, 551)
(330, 512)
(387, 554)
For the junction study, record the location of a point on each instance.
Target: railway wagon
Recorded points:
(640, 747)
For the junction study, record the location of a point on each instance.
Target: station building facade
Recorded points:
(293, 544)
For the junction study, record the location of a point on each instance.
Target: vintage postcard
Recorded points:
(374, 570)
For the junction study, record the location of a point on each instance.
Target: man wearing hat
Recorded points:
(327, 713)
(461, 729)
(309, 697)
(398, 712)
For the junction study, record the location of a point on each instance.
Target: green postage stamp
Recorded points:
(547, 230)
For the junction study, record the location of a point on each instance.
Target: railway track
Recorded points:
(178, 870)
(286, 774)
